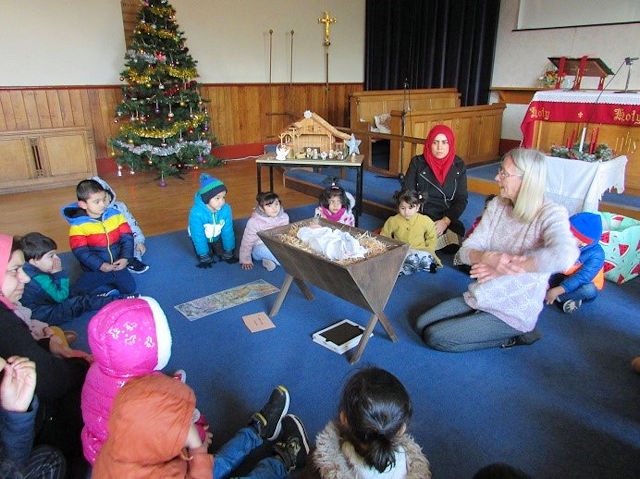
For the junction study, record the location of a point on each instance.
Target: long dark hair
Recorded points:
(376, 407)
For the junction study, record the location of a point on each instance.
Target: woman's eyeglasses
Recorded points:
(503, 174)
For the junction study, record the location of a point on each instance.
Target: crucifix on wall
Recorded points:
(327, 20)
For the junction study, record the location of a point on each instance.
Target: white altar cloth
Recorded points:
(579, 185)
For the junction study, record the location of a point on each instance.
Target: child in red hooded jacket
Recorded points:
(151, 435)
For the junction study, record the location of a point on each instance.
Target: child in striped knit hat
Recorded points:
(211, 224)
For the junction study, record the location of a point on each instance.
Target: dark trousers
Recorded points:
(92, 282)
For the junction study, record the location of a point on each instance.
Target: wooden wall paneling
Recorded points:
(55, 113)
(4, 106)
(19, 111)
(250, 128)
(94, 110)
(217, 113)
(268, 114)
(66, 112)
(42, 109)
(8, 110)
(76, 112)
(103, 104)
(237, 108)
(239, 113)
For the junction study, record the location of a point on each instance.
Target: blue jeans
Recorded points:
(586, 292)
(260, 252)
(237, 449)
(456, 327)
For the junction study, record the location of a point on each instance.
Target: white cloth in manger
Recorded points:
(335, 244)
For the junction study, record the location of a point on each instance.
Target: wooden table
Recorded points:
(366, 283)
(351, 162)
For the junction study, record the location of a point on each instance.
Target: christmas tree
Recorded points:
(165, 125)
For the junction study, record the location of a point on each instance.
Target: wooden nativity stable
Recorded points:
(312, 131)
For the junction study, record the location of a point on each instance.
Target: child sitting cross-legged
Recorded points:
(49, 295)
(101, 240)
(581, 282)
(418, 230)
(139, 248)
(151, 435)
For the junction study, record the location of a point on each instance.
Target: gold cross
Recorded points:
(327, 20)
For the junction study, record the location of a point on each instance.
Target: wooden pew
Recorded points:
(364, 106)
(476, 129)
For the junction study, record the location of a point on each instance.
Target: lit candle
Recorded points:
(572, 141)
(584, 133)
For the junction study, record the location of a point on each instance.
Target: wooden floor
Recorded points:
(157, 209)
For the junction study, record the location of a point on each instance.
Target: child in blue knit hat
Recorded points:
(211, 223)
(582, 281)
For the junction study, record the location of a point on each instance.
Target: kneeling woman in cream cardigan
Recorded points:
(520, 241)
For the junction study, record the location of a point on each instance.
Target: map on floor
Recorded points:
(228, 298)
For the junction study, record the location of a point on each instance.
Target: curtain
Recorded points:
(431, 44)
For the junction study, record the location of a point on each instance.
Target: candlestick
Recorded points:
(584, 133)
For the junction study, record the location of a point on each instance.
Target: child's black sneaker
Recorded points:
(292, 446)
(268, 421)
(571, 305)
(136, 266)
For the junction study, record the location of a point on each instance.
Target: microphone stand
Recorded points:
(628, 61)
(404, 114)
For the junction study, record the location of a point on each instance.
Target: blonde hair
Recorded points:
(530, 198)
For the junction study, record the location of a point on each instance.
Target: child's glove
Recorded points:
(205, 261)
(228, 257)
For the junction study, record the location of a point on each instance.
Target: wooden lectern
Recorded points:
(580, 67)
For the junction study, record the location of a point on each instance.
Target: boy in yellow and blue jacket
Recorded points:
(101, 240)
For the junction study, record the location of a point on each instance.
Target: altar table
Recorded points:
(579, 185)
(587, 107)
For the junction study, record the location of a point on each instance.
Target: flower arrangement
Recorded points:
(602, 152)
(549, 78)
